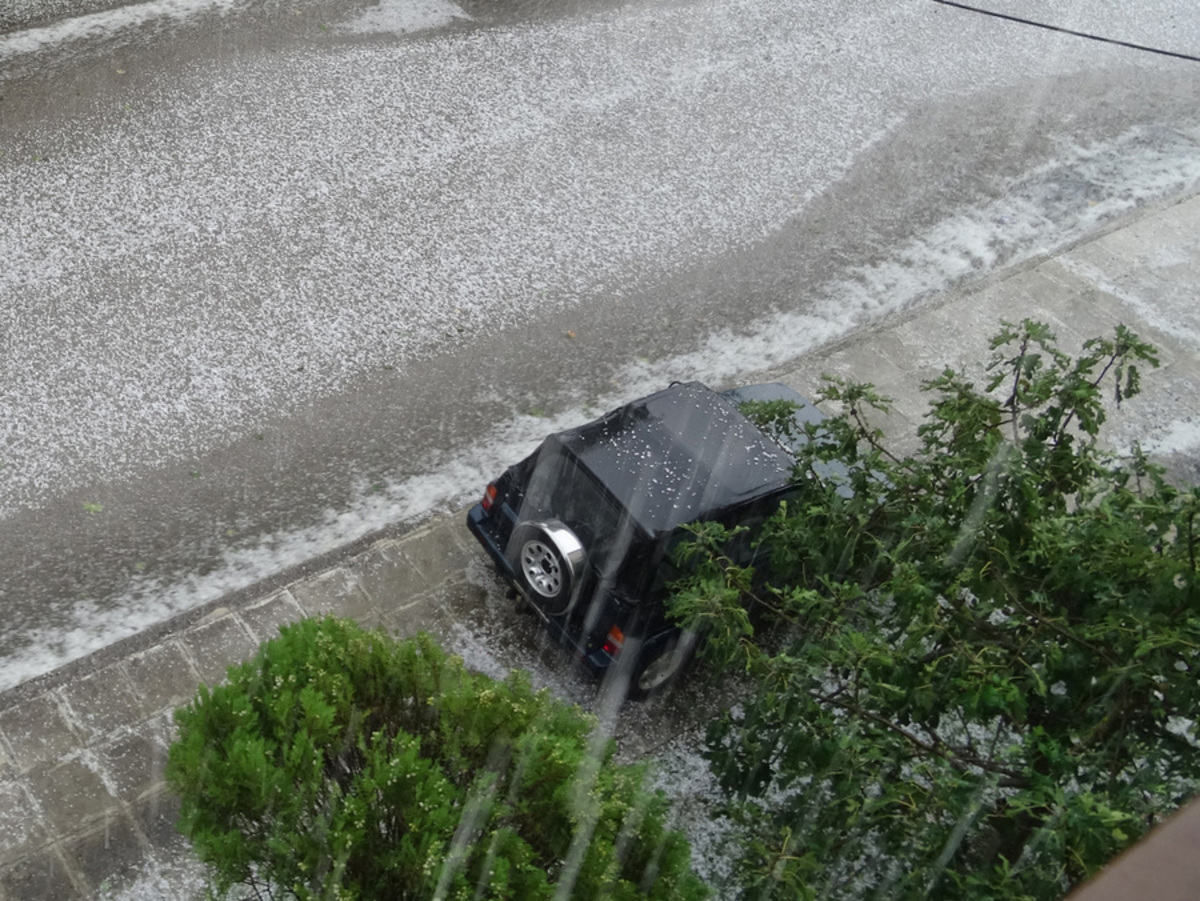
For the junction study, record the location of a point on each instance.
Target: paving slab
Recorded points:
(1073, 307)
(217, 645)
(97, 701)
(45, 876)
(336, 593)
(157, 817)
(21, 827)
(855, 363)
(434, 612)
(70, 794)
(38, 731)
(438, 549)
(133, 762)
(162, 677)
(389, 578)
(107, 854)
(265, 618)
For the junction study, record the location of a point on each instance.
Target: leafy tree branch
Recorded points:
(975, 664)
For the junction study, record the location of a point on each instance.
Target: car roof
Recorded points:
(678, 455)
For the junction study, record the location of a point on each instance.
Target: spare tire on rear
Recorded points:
(548, 560)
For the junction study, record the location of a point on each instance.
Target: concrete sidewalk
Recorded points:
(82, 750)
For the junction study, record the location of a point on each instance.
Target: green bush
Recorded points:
(340, 763)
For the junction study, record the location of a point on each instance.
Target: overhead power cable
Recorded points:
(1078, 34)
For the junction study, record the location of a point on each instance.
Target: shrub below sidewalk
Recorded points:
(340, 763)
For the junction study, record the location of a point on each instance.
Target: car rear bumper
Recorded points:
(488, 533)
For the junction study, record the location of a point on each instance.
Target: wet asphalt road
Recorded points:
(271, 283)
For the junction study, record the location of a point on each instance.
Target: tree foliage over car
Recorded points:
(342, 764)
(975, 670)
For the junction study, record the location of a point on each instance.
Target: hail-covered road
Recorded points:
(274, 276)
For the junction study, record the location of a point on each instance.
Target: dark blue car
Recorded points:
(584, 528)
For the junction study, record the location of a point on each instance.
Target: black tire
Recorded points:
(548, 561)
(661, 664)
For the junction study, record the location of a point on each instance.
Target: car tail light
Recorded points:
(489, 497)
(616, 640)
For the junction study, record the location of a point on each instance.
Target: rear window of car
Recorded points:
(561, 488)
